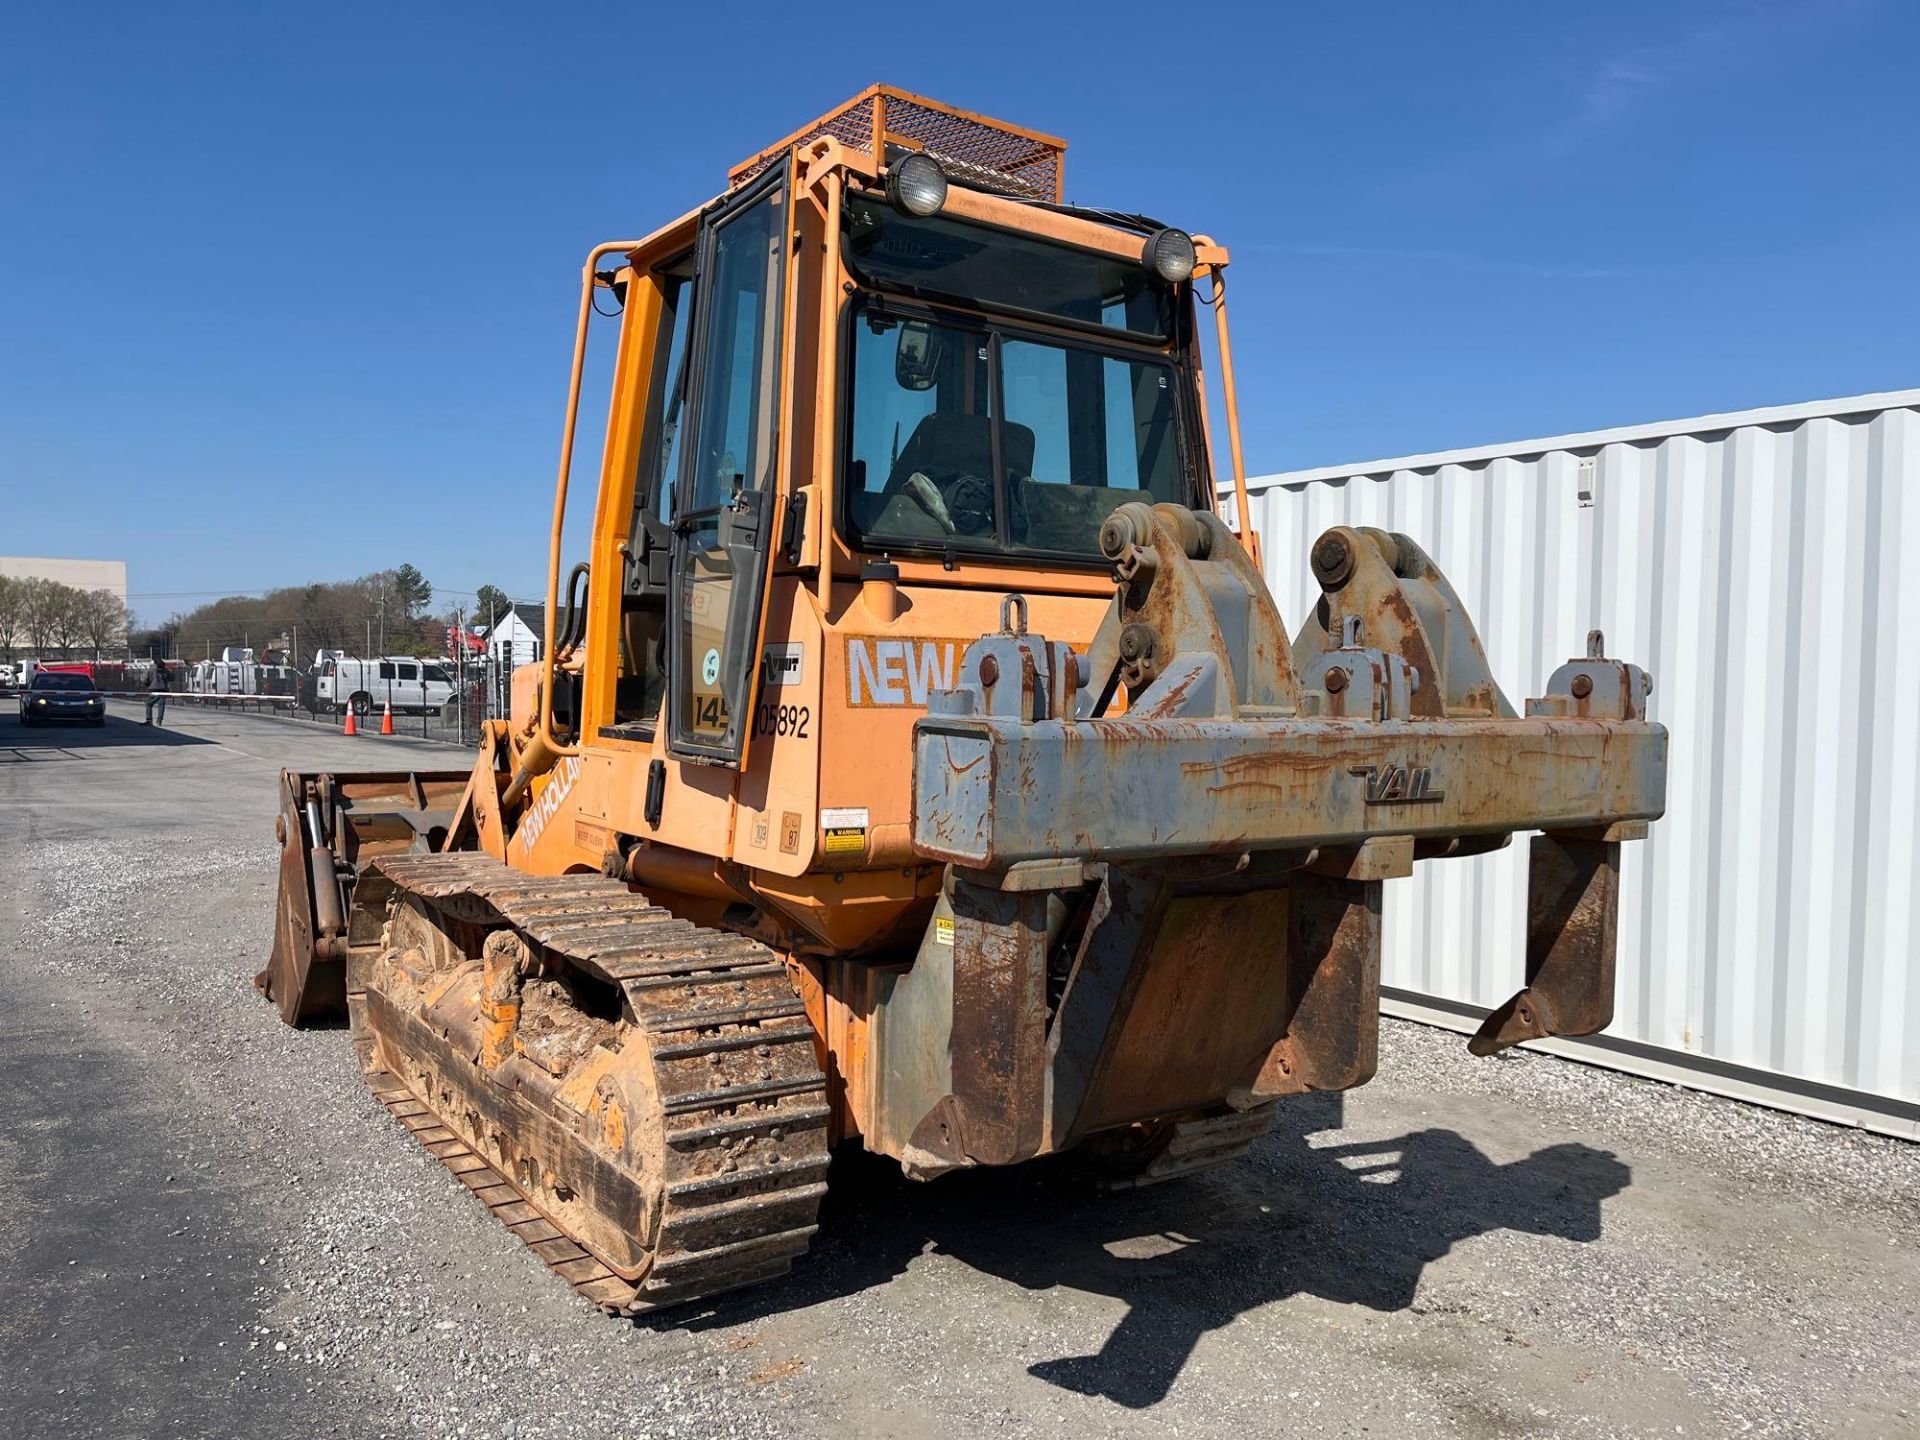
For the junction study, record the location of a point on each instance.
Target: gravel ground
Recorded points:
(207, 1227)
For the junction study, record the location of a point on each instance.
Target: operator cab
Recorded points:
(1006, 392)
(995, 382)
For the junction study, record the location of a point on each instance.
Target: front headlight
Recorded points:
(1169, 254)
(917, 184)
(39, 699)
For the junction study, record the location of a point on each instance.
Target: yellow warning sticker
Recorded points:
(845, 841)
(943, 930)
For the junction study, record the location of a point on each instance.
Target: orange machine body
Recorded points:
(919, 754)
(811, 834)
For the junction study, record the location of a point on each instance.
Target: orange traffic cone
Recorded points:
(349, 728)
(386, 719)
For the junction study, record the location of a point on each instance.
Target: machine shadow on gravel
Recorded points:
(63, 740)
(1352, 1223)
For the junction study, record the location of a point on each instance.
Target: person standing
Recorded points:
(157, 692)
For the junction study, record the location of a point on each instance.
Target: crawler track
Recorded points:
(741, 1100)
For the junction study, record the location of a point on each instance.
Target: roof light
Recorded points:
(1169, 254)
(917, 184)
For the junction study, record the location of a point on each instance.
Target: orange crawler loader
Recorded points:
(918, 759)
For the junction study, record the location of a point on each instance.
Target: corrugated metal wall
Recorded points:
(1765, 568)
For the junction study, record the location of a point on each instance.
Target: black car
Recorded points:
(56, 696)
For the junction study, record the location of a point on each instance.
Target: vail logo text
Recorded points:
(1398, 784)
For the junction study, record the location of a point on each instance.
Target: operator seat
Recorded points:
(946, 444)
(954, 454)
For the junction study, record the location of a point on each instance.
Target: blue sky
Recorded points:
(289, 290)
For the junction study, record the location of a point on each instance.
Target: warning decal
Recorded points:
(846, 829)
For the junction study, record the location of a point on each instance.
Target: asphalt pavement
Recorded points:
(208, 1227)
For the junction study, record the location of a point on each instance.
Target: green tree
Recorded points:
(489, 603)
(414, 591)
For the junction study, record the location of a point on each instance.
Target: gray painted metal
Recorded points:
(1759, 565)
(997, 792)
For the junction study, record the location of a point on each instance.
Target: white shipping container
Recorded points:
(1761, 566)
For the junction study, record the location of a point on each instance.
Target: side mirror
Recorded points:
(916, 356)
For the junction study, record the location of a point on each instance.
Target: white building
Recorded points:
(1759, 565)
(517, 637)
(81, 574)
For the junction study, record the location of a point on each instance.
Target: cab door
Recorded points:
(725, 500)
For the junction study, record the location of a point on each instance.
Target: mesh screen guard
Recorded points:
(982, 151)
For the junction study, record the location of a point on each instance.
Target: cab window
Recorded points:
(987, 438)
(922, 465)
(643, 605)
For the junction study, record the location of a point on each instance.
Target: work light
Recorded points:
(917, 185)
(1169, 254)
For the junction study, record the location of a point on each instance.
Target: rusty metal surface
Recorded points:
(1123, 915)
(1186, 1147)
(1233, 740)
(1160, 992)
(287, 979)
(987, 152)
(331, 826)
(1332, 1035)
(590, 1279)
(999, 1036)
(1205, 1004)
(1223, 843)
(990, 793)
(1404, 605)
(1573, 917)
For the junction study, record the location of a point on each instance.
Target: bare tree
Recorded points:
(42, 613)
(101, 619)
(69, 608)
(340, 614)
(13, 613)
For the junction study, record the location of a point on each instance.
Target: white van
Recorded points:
(409, 684)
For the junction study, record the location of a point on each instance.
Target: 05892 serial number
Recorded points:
(781, 720)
